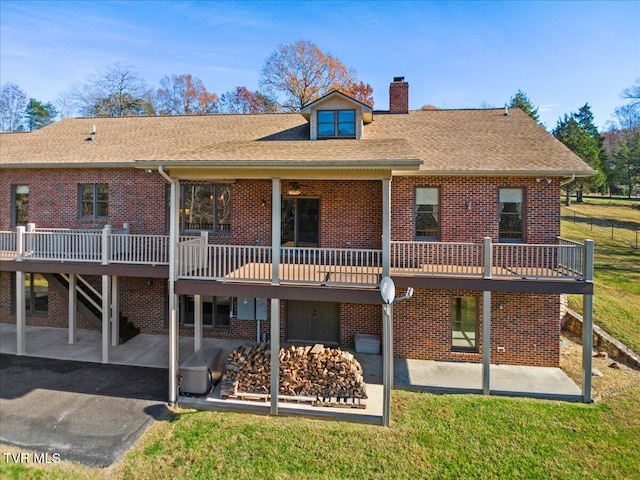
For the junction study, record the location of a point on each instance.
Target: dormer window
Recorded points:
(336, 123)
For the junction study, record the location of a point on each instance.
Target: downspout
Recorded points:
(173, 307)
(168, 178)
(562, 183)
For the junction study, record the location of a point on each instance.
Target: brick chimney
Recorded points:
(398, 96)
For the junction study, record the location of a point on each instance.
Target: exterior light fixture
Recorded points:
(294, 190)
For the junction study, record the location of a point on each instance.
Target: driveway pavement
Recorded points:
(85, 412)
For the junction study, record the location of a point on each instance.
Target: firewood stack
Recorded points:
(318, 372)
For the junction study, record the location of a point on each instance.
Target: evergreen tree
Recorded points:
(38, 114)
(521, 101)
(578, 132)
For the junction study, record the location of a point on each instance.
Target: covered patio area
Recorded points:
(419, 375)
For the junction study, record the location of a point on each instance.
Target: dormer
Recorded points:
(336, 115)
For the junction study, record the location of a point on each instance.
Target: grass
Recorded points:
(617, 271)
(432, 436)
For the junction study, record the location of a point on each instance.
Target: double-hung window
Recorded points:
(336, 123)
(19, 205)
(511, 223)
(427, 214)
(206, 207)
(93, 201)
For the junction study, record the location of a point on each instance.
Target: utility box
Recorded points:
(366, 343)
(201, 371)
(261, 308)
(246, 308)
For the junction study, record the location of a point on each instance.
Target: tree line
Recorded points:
(292, 75)
(297, 73)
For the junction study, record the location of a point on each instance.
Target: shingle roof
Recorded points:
(445, 141)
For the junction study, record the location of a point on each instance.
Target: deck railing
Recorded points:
(8, 245)
(197, 259)
(539, 261)
(437, 258)
(331, 266)
(139, 249)
(62, 246)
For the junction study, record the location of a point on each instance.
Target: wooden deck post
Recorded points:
(21, 313)
(106, 317)
(173, 298)
(197, 322)
(387, 309)
(20, 244)
(587, 325)
(486, 320)
(115, 312)
(486, 343)
(275, 302)
(73, 308)
(106, 232)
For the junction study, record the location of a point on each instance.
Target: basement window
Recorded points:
(464, 324)
(216, 311)
(36, 293)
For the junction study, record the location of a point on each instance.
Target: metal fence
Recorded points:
(624, 232)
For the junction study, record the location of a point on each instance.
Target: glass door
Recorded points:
(300, 222)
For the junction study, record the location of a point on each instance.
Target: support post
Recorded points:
(387, 362)
(174, 202)
(197, 322)
(73, 308)
(106, 317)
(276, 207)
(386, 227)
(486, 343)
(275, 354)
(20, 244)
(21, 313)
(587, 325)
(115, 312)
(106, 232)
(488, 257)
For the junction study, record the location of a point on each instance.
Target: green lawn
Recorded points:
(617, 271)
(432, 436)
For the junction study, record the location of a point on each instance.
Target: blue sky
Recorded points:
(453, 54)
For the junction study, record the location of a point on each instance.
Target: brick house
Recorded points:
(282, 226)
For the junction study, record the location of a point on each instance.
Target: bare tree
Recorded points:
(301, 72)
(633, 93)
(13, 102)
(241, 100)
(185, 95)
(118, 91)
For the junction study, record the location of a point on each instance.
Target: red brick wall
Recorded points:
(469, 207)
(6, 315)
(528, 326)
(134, 196)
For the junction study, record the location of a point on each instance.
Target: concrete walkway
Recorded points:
(439, 377)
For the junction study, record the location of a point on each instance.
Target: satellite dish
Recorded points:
(387, 290)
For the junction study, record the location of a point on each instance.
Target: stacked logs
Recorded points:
(307, 371)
